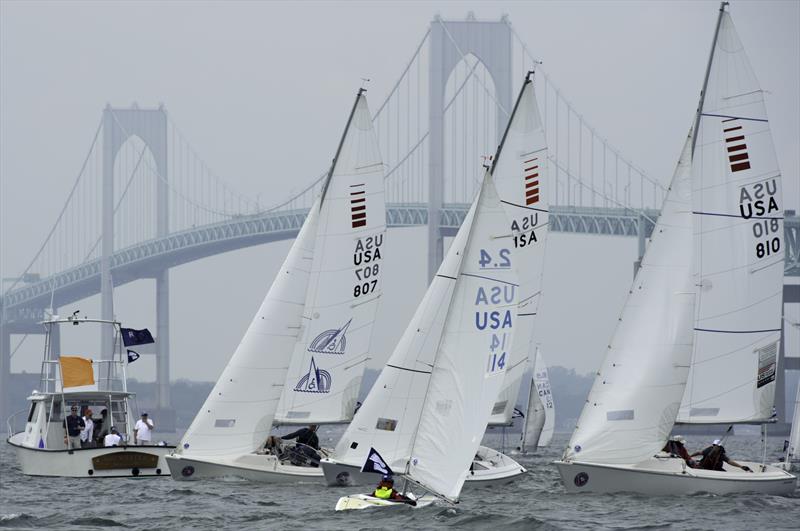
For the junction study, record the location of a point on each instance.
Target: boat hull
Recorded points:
(253, 467)
(112, 462)
(493, 468)
(670, 476)
(365, 501)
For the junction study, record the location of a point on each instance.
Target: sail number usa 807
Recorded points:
(366, 258)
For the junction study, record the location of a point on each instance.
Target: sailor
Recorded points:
(101, 427)
(87, 433)
(309, 444)
(74, 425)
(675, 446)
(385, 491)
(113, 438)
(307, 436)
(142, 431)
(714, 456)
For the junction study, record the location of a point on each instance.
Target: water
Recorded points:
(537, 501)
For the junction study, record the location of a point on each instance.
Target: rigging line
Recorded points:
(464, 58)
(63, 209)
(400, 80)
(21, 341)
(569, 104)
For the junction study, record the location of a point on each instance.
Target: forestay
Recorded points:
(520, 175)
(237, 416)
(325, 371)
(469, 366)
(635, 397)
(738, 215)
(390, 414)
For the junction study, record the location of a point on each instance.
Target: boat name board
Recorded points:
(124, 459)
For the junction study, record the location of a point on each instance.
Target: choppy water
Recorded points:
(537, 501)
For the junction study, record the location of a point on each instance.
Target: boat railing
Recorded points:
(13, 420)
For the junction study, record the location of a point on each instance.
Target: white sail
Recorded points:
(471, 358)
(739, 246)
(237, 416)
(793, 448)
(325, 371)
(542, 380)
(389, 416)
(520, 175)
(534, 417)
(635, 397)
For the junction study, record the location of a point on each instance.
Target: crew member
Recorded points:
(714, 456)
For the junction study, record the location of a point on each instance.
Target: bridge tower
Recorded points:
(492, 44)
(150, 125)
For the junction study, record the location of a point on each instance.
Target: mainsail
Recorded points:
(520, 174)
(328, 362)
(635, 397)
(237, 416)
(739, 248)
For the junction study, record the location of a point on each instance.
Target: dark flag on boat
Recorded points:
(132, 356)
(375, 463)
(131, 337)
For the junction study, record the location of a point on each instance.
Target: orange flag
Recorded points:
(76, 371)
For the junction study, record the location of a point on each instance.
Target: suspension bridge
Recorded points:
(144, 201)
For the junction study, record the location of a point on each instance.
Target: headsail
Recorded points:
(520, 174)
(739, 248)
(325, 371)
(237, 416)
(637, 391)
(471, 357)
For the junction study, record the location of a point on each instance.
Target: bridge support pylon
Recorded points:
(492, 43)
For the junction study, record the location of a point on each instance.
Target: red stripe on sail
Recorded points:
(358, 208)
(357, 224)
(740, 156)
(532, 168)
(728, 130)
(531, 160)
(359, 215)
(741, 166)
(532, 184)
(359, 200)
(734, 138)
(737, 148)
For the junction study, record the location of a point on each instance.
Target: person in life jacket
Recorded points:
(714, 456)
(385, 491)
(675, 446)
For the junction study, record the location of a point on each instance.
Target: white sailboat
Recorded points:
(537, 430)
(519, 169)
(637, 393)
(791, 459)
(427, 411)
(303, 356)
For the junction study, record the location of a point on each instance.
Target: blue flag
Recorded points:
(131, 337)
(132, 356)
(375, 463)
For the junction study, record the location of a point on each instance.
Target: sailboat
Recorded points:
(520, 183)
(519, 169)
(791, 459)
(537, 430)
(302, 358)
(695, 299)
(428, 410)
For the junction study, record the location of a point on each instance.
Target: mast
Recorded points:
(696, 127)
(510, 120)
(341, 143)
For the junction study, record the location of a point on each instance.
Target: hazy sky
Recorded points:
(261, 90)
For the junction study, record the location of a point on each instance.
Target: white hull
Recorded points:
(493, 468)
(365, 501)
(670, 476)
(120, 461)
(253, 467)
